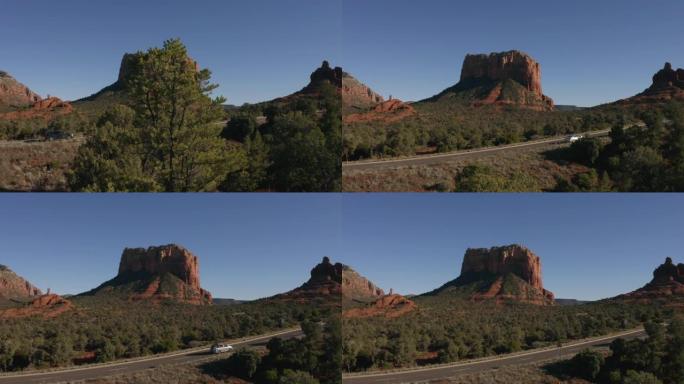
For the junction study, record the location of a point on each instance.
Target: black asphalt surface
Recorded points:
(99, 371)
(365, 165)
(441, 372)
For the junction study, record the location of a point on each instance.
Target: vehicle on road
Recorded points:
(58, 135)
(574, 138)
(221, 348)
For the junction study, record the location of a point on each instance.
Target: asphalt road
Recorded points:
(99, 371)
(439, 158)
(529, 357)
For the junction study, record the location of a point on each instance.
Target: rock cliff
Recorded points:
(667, 282)
(510, 78)
(168, 272)
(358, 95)
(668, 84)
(357, 287)
(13, 286)
(14, 93)
(508, 273)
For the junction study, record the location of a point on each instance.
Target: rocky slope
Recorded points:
(14, 93)
(389, 306)
(667, 283)
(508, 273)
(48, 306)
(387, 112)
(357, 288)
(668, 84)
(45, 109)
(168, 272)
(13, 286)
(358, 95)
(510, 78)
(324, 284)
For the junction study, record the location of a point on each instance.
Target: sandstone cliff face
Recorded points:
(667, 282)
(168, 272)
(668, 84)
(14, 93)
(357, 287)
(508, 273)
(13, 286)
(510, 78)
(389, 306)
(358, 95)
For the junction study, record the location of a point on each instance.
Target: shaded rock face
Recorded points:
(13, 286)
(47, 306)
(668, 84)
(510, 78)
(168, 272)
(668, 281)
(389, 306)
(508, 273)
(322, 75)
(358, 95)
(357, 287)
(387, 111)
(46, 109)
(14, 93)
(326, 280)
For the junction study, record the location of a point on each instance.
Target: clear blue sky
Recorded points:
(249, 245)
(256, 49)
(591, 245)
(590, 51)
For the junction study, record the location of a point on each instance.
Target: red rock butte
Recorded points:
(357, 287)
(513, 65)
(358, 95)
(667, 282)
(14, 93)
(668, 84)
(13, 286)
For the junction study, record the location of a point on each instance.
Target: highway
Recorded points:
(129, 366)
(439, 158)
(456, 369)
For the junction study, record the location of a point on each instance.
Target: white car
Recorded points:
(221, 348)
(574, 138)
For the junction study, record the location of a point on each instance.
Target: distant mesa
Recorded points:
(13, 286)
(167, 272)
(667, 282)
(389, 306)
(325, 284)
(509, 273)
(668, 84)
(15, 94)
(510, 78)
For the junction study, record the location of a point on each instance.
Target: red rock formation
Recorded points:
(46, 109)
(357, 287)
(358, 95)
(388, 111)
(325, 283)
(497, 269)
(13, 286)
(510, 78)
(668, 84)
(14, 93)
(168, 272)
(47, 306)
(324, 74)
(389, 306)
(667, 282)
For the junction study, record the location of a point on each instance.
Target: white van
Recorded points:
(221, 348)
(574, 138)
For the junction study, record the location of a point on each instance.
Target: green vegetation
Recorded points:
(639, 158)
(38, 128)
(167, 136)
(447, 329)
(657, 359)
(102, 329)
(311, 360)
(478, 178)
(450, 124)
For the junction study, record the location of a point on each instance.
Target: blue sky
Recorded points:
(256, 49)
(590, 51)
(591, 245)
(254, 245)
(249, 245)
